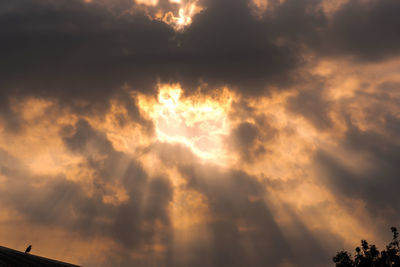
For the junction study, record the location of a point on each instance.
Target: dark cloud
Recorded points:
(312, 105)
(133, 113)
(9, 118)
(82, 54)
(227, 45)
(364, 30)
(246, 133)
(367, 30)
(73, 50)
(85, 139)
(294, 22)
(251, 140)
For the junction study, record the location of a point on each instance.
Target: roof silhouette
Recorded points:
(11, 258)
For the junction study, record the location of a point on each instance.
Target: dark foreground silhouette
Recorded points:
(28, 249)
(13, 258)
(369, 256)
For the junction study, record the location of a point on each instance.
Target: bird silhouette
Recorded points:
(28, 249)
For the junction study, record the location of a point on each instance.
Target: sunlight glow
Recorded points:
(184, 17)
(147, 2)
(197, 122)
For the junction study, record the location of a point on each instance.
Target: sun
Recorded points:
(184, 16)
(200, 123)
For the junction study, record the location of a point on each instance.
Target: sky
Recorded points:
(177, 133)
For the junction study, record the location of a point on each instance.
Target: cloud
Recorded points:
(240, 218)
(377, 184)
(312, 105)
(251, 140)
(58, 201)
(83, 54)
(244, 229)
(366, 30)
(310, 128)
(79, 51)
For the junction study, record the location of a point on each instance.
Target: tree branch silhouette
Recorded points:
(369, 256)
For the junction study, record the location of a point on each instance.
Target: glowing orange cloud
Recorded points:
(198, 122)
(178, 18)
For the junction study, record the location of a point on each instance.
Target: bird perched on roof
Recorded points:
(28, 249)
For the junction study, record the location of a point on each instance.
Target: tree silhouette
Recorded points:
(369, 256)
